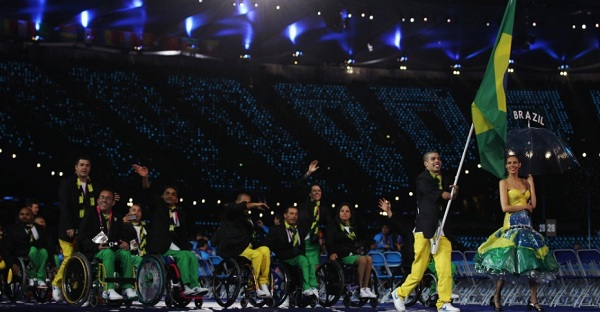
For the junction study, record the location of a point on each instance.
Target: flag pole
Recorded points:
(436, 238)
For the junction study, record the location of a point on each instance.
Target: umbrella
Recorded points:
(540, 151)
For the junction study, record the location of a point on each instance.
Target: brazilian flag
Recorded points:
(489, 107)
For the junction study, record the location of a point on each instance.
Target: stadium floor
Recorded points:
(210, 305)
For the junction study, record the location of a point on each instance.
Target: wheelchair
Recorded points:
(16, 284)
(234, 277)
(287, 282)
(84, 281)
(157, 275)
(337, 280)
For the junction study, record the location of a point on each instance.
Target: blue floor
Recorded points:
(210, 305)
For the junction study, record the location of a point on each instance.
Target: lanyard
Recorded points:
(101, 219)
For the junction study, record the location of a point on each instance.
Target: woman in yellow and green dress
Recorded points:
(516, 249)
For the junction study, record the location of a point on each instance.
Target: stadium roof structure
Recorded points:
(422, 34)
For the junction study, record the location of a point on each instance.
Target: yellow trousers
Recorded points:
(261, 262)
(443, 267)
(67, 250)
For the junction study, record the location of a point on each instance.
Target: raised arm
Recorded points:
(142, 171)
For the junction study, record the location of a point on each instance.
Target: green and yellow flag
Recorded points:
(489, 107)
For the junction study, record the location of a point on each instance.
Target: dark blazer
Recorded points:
(338, 242)
(306, 209)
(159, 237)
(236, 231)
(68, 197)
(15, 242)
(279, 243)
(429, 200)
(90, 227)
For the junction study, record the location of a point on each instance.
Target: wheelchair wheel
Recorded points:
(280, 284)
(16, 286)
(151, 280)
(352, 297)
(44, 294)
(226, 282)
(175, 287)
(77, 279)
(331, 283)
(428, 294)
(250, 279)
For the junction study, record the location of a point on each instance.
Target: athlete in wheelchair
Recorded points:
(234, 241)
(167, 239)
(102, 243)
(284, 240)
(25, 253)
(346, 273)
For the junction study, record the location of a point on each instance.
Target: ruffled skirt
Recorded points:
(518, 251)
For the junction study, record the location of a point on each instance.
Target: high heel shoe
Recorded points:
(496, 304)
(535, 306)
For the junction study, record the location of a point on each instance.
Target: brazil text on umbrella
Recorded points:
(527, 115)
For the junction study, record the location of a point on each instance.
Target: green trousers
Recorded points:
(312, 254)
(187, 264)
(108, 258)
(301, 262)
(38, 258)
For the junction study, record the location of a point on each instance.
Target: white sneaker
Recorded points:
(130, 293)
(112, 295)
(42, 285)
(398, 302)
(85, 304)
(364, 293)
(454, 296)
(285, 303)
(307, 293)
(315, 292)
(188, 291)
(200, 291)
(31, 282)
(57, 294)
(448, 307)
(373, 295)
(263, 291)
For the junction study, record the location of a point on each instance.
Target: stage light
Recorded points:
(84, 19)
(563, 70)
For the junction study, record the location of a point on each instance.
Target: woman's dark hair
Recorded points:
(337, 213)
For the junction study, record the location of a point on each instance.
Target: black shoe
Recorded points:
(535, 306)
(496, 304)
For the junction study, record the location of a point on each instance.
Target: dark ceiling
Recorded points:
(544, 37)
